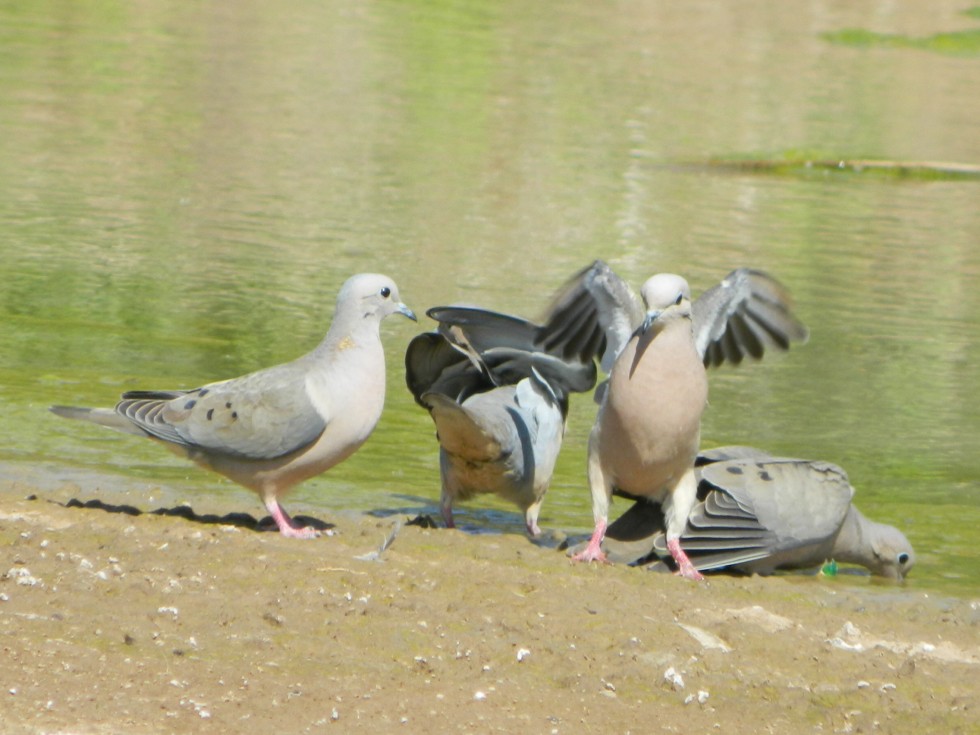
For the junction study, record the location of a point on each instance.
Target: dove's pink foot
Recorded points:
(684, 566)
(287, 527)
(594, 552)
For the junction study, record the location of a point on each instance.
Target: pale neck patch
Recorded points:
(346, 343)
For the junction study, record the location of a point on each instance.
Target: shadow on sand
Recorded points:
(241, 520)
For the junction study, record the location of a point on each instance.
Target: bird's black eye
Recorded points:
(385, 292)
(903, 558)
(680, 297)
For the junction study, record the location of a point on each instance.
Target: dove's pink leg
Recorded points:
(594, 552)
(684, 566)
(601, 487)
(531, 519)
(446, 508)
(677, 508)
(286, 525)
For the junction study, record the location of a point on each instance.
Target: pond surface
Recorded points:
(185, 187)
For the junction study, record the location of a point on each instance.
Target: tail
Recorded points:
(101, 416)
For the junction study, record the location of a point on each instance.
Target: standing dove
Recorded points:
(272, 429)
(647, 430)
(757, 513)
(499, 399)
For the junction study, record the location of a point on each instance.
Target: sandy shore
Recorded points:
(118, 623)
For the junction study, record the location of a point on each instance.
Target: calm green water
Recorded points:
(184, 186)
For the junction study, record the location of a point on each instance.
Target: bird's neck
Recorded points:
(673, 332)
(348, 338)
(852, 545)
(674, 323)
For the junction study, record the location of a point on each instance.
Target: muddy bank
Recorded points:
(117, 622)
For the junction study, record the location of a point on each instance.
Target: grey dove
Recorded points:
(272, 429)
(757, 513)
(647, 429)
(499, 399)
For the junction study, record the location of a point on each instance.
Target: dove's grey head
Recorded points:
(892, 554)
(370, 295)
(883, 549)
(666, 295)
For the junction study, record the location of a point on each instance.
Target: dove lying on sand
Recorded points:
(272, 429)
(757, 513)
(499, 397)
(647, 430)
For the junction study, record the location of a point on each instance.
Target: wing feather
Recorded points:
(260, 416)
(746, 313)
(602, 303)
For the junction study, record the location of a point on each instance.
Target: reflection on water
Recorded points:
(185, 188)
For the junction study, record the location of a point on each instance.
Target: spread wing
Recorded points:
(758, 507)
(506, 349)
(599, 307)
(745, 314)
(434, 364)
(723, 530)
